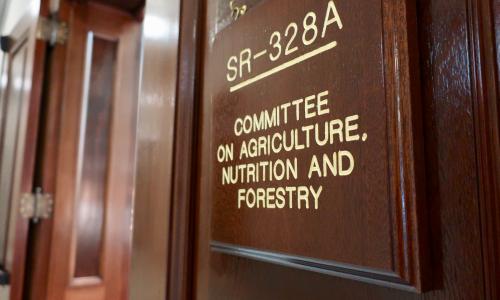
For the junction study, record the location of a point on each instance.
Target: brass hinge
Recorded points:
(36, 206)
(52, 31)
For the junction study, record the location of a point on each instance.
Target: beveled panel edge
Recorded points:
(484, 35)
(405, 141)
(327, 267)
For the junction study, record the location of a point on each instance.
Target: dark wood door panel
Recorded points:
(449, 156)
(318, 109)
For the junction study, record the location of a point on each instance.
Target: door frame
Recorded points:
(484, 22)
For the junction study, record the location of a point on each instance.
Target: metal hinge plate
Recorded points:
(52, 31)
(36, 206)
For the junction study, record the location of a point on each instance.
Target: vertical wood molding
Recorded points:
(180, 277)
(155, 142)
(406, 153)
(484, 88)
(451, 189)
(46, 164)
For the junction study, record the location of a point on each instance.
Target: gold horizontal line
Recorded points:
(284, 66)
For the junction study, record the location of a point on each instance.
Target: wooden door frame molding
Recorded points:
(46, 162)
(178, 198)
(180, 253)
(485, 93)
(155, 152)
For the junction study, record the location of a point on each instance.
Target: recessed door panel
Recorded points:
(94, 154)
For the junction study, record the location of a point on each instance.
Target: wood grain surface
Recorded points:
(451, 177)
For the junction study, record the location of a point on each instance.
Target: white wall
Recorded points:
(15, 9)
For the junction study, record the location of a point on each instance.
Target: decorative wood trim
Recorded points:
(46, 163)
(407, 189)
(181, 233)
(485, 93)
(155, 151)
(347, 271)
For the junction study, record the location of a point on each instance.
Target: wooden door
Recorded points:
(87, 157)
(386, 186)
(19, 114)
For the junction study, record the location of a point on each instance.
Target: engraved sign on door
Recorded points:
(311, 119)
